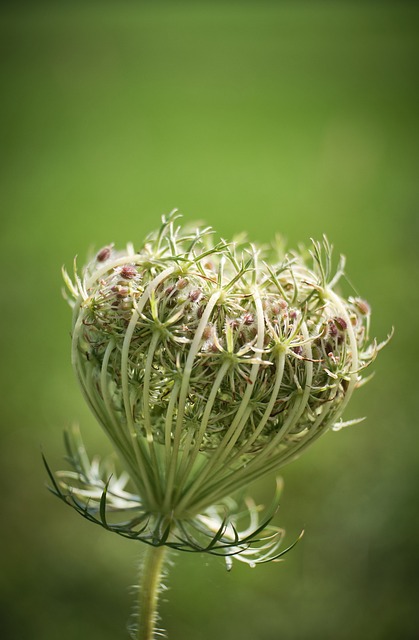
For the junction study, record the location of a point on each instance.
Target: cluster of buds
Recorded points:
(208, 364)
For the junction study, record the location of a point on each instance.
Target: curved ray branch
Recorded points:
(324, 422)
(142, 458)
(190, 455)
(280, 364)
(146, 413)
(257, 466)
(353, 374)
(170, 413)
(292, 452)
(88, 387)
(216, 463)
(194, 348)
(116, 433)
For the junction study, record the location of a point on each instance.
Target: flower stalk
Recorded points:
(148, 592)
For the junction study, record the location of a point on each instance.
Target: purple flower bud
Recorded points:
(195, 294)
(341, 324)
(104, 254)
(128, 272)
(182, 283)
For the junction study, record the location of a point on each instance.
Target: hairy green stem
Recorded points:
(148, 591)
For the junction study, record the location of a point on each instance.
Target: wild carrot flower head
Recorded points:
(208, 364)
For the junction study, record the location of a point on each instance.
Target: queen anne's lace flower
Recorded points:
(208, 364)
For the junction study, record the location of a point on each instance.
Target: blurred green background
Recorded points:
(291, 117)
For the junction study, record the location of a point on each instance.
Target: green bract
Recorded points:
(208, 364)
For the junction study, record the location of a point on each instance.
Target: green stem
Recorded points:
(148, 595)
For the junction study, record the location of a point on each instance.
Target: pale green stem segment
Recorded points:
(190, 454)
(353, 345)
(322, 424)
(143, 459)
(146, 411)
(88, 384)
(148, 592)
(260, 464)
(244, 410)
(194, 349)
(218, 460)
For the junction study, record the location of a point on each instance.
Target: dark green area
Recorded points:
(291, 117)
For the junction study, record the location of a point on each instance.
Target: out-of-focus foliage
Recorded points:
(290, 117)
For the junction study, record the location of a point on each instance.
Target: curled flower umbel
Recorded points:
(209, 364)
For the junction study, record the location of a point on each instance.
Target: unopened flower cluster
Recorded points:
(211, 363)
